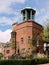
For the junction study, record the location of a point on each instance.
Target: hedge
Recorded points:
(24, 62)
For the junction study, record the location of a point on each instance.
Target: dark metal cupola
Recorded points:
(28, 14)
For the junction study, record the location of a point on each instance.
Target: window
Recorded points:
(28, 48)
(7, 51)
(23, 49)
(24, 15)
(13, 34)
(22, 40)
(28, 39)
(28, 15)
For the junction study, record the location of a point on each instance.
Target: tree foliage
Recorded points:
(33, 41)
(32, 45)
(1, 55)
(45, 33)
(13, 44)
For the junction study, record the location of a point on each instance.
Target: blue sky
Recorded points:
(10, 12)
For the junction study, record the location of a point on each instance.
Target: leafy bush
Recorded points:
(41, 60)
(24, 62)
(15, 62)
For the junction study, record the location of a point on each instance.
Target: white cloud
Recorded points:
(8, 21)
(6, 9)
(37, 11)
(5, 36)
(5, 5)
(43, 14)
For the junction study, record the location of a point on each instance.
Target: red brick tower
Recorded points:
(27, 30)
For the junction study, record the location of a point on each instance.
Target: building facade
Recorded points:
(7, 51)
(23, 32)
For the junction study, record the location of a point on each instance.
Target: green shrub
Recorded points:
(24, 62)
(15, 62)
(41, 60)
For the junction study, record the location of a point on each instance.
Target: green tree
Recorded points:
(12, 44)
(1, 55)
(45, 33)
(33, 47)
(32, 41)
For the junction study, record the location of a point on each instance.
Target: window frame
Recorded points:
(28, 39)
(22, 40)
